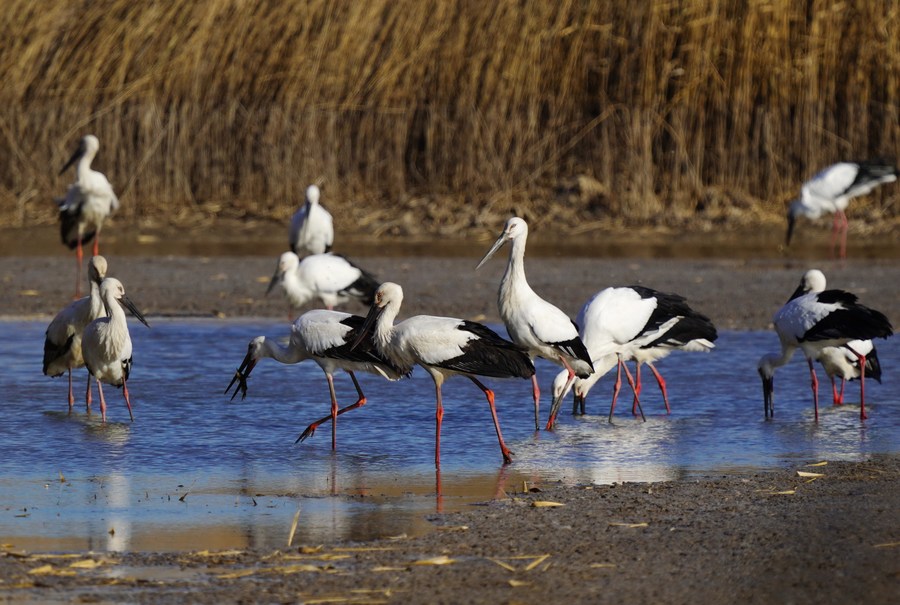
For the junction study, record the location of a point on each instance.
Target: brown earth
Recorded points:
(765, 538)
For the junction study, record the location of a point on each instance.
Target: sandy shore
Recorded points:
(758, 538)
(774, 537)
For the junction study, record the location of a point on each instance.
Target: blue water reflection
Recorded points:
(69, 482)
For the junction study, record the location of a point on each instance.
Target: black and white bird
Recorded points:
(534, 324)
(312, 228)
(329, 277)
(326, 338)
(843, 363)
(813, 319)
(830, 191)
(444, 346)
(636, 323)
(106, 343)
(62, 340)
(88, 202)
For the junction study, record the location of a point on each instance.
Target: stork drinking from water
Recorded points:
(830, 192)
(640, 324)
(106, 343)
(329, 277)
(815, 318)
(89, 201)
(539, 327)
(444, 346)
(326, 338)
(62, 342)
(312, 229)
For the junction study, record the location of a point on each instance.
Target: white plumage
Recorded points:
(326, 338)
(312, 227)
(89, 201)
(635, 323)
(843, 363)
(62, 340)
(444, 346)
(830, 192)
(541, 328)
(814, 319)
(329, 277)
(106, 343)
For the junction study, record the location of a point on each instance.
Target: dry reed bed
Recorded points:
(568, 111)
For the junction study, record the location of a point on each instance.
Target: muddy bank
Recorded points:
(735, 293)
(828, 537)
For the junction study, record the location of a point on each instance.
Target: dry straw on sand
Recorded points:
(566, 111)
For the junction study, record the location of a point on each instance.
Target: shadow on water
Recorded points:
(196, 470)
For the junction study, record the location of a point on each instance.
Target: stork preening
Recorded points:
(106, 343)
(830, 192)
(634, 323)
(813, 319)
(326, 338)
(62, 340)
(88, 202)
(444, 346)
(329, 277)
(534, 324)
(843, 363)
(312, 228)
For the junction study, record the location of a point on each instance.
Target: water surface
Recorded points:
(196, 470)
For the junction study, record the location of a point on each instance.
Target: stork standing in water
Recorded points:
(637, 323)
(62, 342)
(326, 338)
(329, 277)
(312, 228)
(831, 190)
(815, 318)
(88, 202)
(542, 329)
(106, 343)
(842, 362)
(444, 346)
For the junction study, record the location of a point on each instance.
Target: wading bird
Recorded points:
(326, 338)
(830, 191)
(329, 277)
(88, 202)
(106, 343)
(542, 329)
(62, 342)
(815, 318)
(444, 346)
(640, 324)
(312, 229)
(842, 362)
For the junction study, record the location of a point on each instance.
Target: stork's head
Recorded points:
(515, 228)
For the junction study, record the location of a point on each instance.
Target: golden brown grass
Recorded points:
(446, 114)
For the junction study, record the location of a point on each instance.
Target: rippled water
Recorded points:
(196, 470)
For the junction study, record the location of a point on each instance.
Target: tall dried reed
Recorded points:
(231, 107)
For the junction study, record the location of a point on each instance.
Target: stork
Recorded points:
(813, 319)
(842, 362)
(640, 324)
(831, 190)
(444, 346)
(88, 202)
(312, 229)
(62, 340)
(326, 338)
(106, 343)
(330, 277)
(534, 324)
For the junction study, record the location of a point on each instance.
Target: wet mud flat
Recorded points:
(813, 532)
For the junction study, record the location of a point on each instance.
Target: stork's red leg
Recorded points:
(662, 386)
(71, 395)
(311, 429)
(815, 387)
(536, 391)
(127, 398)
(438, 417)
(507, 457)
(634, 388)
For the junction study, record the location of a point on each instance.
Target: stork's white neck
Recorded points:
(286, 355)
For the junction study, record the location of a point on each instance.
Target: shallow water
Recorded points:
(196, 470)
